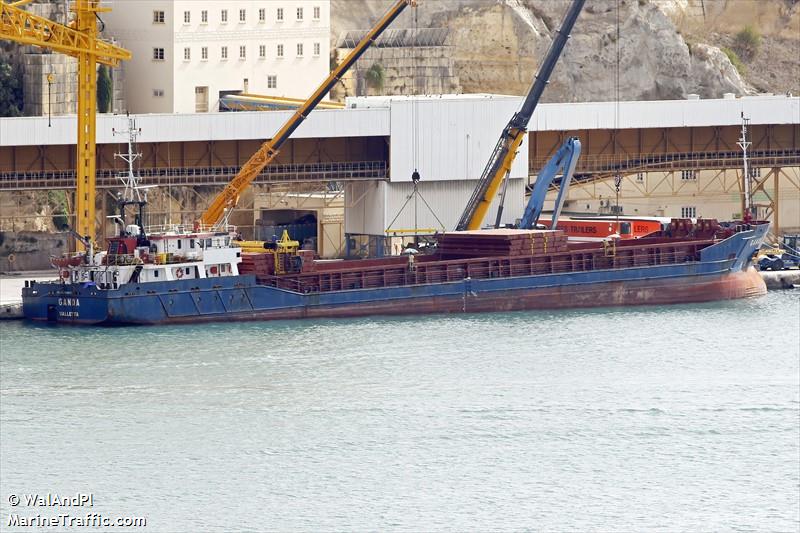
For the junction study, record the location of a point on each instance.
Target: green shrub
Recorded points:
(735, 61)
(375, 76)
(747, 42)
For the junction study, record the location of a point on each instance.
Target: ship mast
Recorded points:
(130, 179)
(747, 200)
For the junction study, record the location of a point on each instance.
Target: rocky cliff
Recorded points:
(662, 49)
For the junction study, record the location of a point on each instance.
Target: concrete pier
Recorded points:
(781, 279)
(11, 291)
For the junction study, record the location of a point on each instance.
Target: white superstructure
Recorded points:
(188, 53)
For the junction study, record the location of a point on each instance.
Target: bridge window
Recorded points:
(689, 212)
(688, 175)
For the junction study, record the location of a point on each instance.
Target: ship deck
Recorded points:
(321, 277)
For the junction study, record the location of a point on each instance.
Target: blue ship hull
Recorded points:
(722, 272)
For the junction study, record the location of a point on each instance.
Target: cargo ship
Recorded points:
(177, 274)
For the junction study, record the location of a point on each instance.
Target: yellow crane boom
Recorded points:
(502, 158)
(269, 150)
(80, 40)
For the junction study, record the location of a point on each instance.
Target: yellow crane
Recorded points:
(80, 39)
(227, 199)
(502, 158)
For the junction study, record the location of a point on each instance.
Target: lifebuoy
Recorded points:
(12, 258)
(64, 274)
(179, 273)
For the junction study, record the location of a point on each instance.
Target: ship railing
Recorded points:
(186, 229)
(450, 270)
(121, 260)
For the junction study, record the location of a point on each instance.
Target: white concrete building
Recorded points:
(188, 53)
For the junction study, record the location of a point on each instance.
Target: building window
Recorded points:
(187, 17)
(158, 92)
(279, 15)
(204, 16)
(242, 52)
(280, 50)
(223, 16)
(272, 82)
(755, 172)
(262, 15)
(689, 212)
(242, 15)
(262, 51)
(316, 49)
(640, 177)
(299, 13)
(187, 54)
(316, 12)
(224, 52)
(299, 49)
(204, 53)
(158, 17)
(689, 175)
(158, 54)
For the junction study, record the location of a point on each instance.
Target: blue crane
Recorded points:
(564, 160)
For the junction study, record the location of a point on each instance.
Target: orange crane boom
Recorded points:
(80, 40)
(269, 150)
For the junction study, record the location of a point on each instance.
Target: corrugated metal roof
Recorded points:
(26, 131)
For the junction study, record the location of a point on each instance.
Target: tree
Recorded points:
(375, 77)
(105, 90)
(11, 102)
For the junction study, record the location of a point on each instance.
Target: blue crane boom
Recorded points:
(564, 160)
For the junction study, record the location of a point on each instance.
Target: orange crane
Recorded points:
(227, 199)
(79, 39)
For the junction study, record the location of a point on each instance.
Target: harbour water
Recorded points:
(670, 418)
